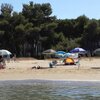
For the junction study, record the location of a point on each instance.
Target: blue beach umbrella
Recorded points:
(60, 54)
(67, 54)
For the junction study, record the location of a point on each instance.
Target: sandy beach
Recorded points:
(23, 69)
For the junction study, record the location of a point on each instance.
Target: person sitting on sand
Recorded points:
(36, 67)
(50, 65)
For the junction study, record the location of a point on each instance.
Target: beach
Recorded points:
(23, 69)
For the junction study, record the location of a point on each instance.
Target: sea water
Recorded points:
(49, 90)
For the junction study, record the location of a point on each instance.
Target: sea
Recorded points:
(49, 90)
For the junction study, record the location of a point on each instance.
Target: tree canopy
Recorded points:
(34, 29)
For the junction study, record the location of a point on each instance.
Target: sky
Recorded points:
(64, 9)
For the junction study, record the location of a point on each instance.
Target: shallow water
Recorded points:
(49, 90)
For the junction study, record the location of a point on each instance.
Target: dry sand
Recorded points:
(22, 69)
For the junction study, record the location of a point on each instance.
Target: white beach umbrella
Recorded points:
(97, 52)
(49, 51)
(5, 52)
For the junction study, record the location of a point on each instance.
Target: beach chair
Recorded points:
(53, 63)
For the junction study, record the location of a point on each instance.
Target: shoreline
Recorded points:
(51, 80)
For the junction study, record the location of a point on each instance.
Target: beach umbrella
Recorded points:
(60, 54)
(5, 52)
(97, 52)
(78, 50)
(49, 51)
(67, 54)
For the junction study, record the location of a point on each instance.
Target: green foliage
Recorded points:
(2, 32)
(61, 42)
(46, 9)
(72, 43)
(6, 10)
(19, 28)
(37, 12)
(33, 30)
